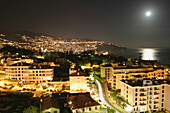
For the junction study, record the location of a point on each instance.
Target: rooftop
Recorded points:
(79, 73)
(40, 67)
(130, 67)
(156, 68)
(56, 101)
(49, 102)
(20, 64)
(137, 76)
(107, 65)
(123, 67)
(145, 82)
(81, 100)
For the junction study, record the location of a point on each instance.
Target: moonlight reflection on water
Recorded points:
(148, 53)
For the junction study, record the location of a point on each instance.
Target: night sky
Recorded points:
(122, 22)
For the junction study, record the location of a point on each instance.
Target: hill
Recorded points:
(42, 42)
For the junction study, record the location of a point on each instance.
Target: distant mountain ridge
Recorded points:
(16, 36)
(29, 40)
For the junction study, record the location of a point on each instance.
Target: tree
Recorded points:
(116, 98)
(147, 112)
(111, 110)
(31, 109)
(123, 105)
(119, 101)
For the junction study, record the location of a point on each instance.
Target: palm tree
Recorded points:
(123, 105)
(116, 98)
(110, 110)
(119, 101)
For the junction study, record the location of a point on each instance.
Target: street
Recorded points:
(104, 97)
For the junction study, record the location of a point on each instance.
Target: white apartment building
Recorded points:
(146, 94)
(114, 73)
(29, 73)
(79, 80)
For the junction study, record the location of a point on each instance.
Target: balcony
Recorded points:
(155, 102)
(142, 104)
(142, 99)
(142, 94)
(142, 90)
(155, 108)
(156, 98)
(156, 88)
(156, 93)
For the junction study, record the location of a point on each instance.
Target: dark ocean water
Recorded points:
(162, 55)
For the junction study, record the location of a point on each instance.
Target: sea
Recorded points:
(162, 55)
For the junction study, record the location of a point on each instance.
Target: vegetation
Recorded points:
(87, 58)
(111, 111)
(12, 50)
(62, 70)
(32, 109)
(114, 93)
(119, 100)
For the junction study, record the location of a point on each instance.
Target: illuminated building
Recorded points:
(146, 94)
(83, 103)
(29, 73)
(13, 61)
(79, 80)
(3, 75)
(114, 73)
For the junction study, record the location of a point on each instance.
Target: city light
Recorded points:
(79, 57)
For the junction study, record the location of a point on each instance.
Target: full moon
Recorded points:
(148, 13)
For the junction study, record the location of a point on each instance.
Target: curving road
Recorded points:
(104, 97)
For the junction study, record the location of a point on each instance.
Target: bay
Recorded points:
(162, 55)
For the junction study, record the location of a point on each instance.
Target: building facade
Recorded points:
(29, 73)
(146, 94)
(114, 73)
(79, 80)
